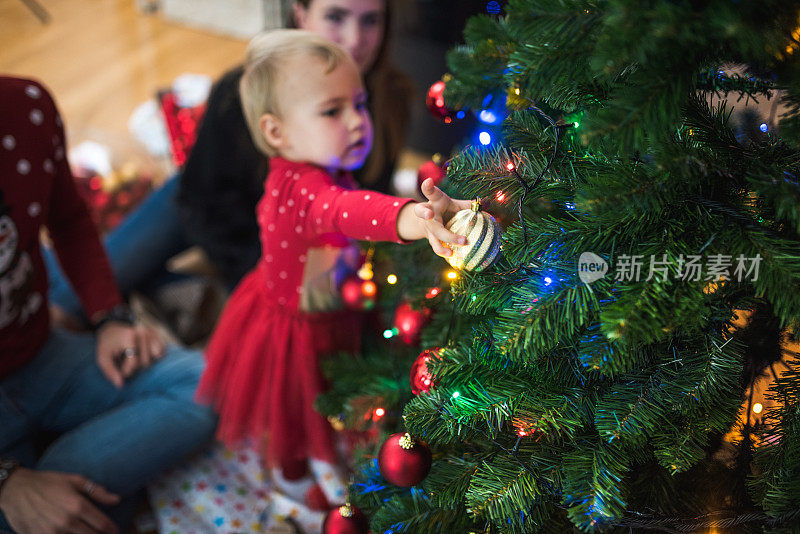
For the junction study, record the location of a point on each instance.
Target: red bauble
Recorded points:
(435, 102)
(346, 519)
(358, 294)
(409, 322)
(421, 379)
(433, 170)
(404, 461)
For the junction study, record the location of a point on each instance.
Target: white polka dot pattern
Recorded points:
(298, 192)
(9, 142)
(37, 117)
(33, 91)
(23, 166)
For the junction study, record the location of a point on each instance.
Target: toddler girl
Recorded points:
(307, 109)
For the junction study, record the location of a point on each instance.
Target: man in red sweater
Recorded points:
(120, 402)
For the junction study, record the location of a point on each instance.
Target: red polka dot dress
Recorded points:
(262, 370)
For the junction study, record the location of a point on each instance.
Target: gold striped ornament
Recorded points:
(483, 239)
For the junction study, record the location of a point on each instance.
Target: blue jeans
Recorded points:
(138, 249)
(118, 438)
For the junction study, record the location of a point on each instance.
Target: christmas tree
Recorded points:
(592, 377)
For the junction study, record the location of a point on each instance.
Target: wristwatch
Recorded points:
(118, 314)
(7, 466)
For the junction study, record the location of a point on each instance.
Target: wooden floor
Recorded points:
(102, 58)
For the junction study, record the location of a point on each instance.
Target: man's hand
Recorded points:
(123, 349)
(43, 502)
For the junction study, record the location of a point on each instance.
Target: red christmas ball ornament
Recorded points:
(358, 294)
(409, 322)
(431, 169)
(421, 379)
(346, 519)
(435, 101)
(404, 461)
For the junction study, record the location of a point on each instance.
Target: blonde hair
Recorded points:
(266, 53)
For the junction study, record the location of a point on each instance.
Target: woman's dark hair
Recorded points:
(390, 92)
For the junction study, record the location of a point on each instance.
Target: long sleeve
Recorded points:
(324, 207)
(75, 239)
(221, 184)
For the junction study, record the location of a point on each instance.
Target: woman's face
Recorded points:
(355, 25)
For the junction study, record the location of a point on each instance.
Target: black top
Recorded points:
(222, 182)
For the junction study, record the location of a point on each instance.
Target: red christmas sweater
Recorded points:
(37, 189)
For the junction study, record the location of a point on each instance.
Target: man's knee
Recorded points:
(177, 372)
(176, 376)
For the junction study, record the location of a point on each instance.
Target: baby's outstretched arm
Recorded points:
(428, 219)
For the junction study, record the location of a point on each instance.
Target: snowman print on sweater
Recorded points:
(18, 300)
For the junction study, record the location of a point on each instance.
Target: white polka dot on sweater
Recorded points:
(298, 229)
(270, 284)
(374, 222)
(33, 91)
(396, 204)
(48, 166)
(333, 188)
(282, 301)
(36, 116)
(288, 173)
(282, 209)
(367, 197)
(271, 227)
(58, 121)
(275, 192)
(23, 166)
(9, 142)
(290, 202)
(299, 290)
(284, 244)
(34, 209)
(312, 196)
(319, 221)
(59, 152)
(344, 215)
(326, 206)
(296, 176)
(302, 213)
(303, 191)
(283, 275)
(302, 258)
(368, 238)
(269, 258)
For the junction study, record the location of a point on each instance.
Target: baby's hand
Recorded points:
(434, 215)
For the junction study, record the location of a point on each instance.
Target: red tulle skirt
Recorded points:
(262, 373)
